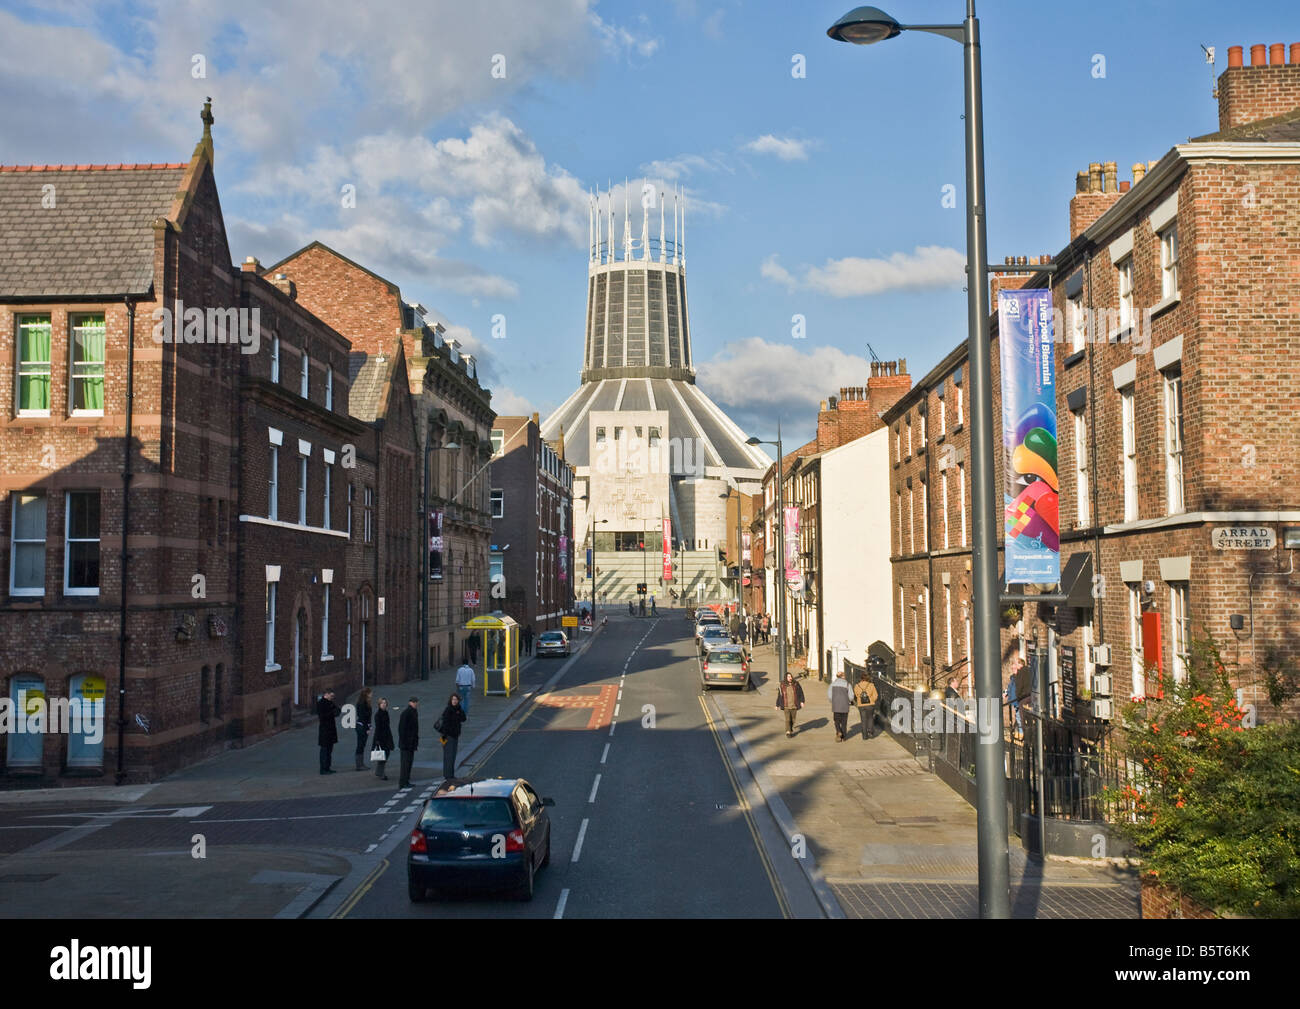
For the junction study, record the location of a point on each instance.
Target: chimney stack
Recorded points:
(286, 286)
(1268, 87)
(250, 265)
(1087, 205)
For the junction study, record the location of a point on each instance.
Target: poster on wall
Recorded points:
(1031, 494)
(435, 545)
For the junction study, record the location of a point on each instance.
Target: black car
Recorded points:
(492, 834)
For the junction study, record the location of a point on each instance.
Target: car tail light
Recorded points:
(418, 845)
(706, 665)
(515, 841)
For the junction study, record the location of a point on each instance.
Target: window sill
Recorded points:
(327, 658)
(27, 594)
(81, 593)
(258, 520)
(32, 415)
(958, 428)
(1165, 303)
(272, 668)
(1121, 335)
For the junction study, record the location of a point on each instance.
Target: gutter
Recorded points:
(126, 529)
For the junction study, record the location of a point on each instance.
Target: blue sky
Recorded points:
(818, 195)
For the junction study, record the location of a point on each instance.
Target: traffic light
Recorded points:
(640, 588)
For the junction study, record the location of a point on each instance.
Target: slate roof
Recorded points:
(96, 240)
(1276, 129)
(368, 375)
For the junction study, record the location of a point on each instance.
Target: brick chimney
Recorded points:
(1262, 90)
(286, 286)
(1095, 192)
(250, 265)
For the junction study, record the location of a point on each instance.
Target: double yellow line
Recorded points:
(343, 909)
(745, 808)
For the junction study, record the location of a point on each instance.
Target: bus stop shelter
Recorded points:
(499, 651)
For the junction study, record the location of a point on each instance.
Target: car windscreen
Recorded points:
(732, 657)
(467, 814)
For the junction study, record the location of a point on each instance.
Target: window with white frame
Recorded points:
(329, 388)
(943, 412)
(325, 623)
(81, 553)
(943, 489)
(600, 436)
(1180, 627)
(329, 482)
(911, 521)
(1077, 323)
(498, 500)
(1135, 639)
(947, 622)
(271, 588)
(958, 388)
(27, 545)
(1173, 383)
(89, 335)
(1169, 262)
(1089, 667)
(34, 366)
(1124, 274)
(302, 490)
(1129, 418)
(902, 619)
(929, 649)
(898, 443)
(498, 442)
(961, 499)
(273, 485)
(304, 380)
(275, 359)
(922, 422)
(900, 521)
(925, 516)
(1081, 491)
(909, 437)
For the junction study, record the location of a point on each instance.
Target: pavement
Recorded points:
(885, 836)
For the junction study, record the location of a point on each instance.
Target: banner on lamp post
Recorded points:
(668, 548)
(1031, 493)
(564, 558)
(791, 541)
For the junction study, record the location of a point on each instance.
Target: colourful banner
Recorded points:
(1032, 490)
(744, 550)
(668, 548)
(791, 540)
(564, 558)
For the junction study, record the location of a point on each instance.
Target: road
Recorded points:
(650, 818)
(647, 821)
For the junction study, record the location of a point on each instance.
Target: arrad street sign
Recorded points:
(1243, 538)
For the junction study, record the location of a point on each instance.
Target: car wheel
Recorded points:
(526, 890)
(415, 891)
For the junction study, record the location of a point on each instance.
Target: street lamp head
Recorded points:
(864, 25)
(754, 441)
(451, 445)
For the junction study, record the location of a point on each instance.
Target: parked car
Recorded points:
(725, 665)
(487, 835)
(712, 635)
(552, 643)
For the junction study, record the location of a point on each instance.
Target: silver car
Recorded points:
(552, 643)
(711, 636)
(725, 666)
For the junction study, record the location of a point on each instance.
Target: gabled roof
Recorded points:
(393, 288)
(1275, 129)
(82, 230)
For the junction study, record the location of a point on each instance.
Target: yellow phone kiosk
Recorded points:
(499, 641)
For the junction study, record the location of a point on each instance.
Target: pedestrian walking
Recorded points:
(465, 683)
(866, 694)
(767, 629)
(363, 724)
(528, 640)
(734, 628)
(789, 698)
(841, 698)
(653, 609)
(383, 737)
(1013, 701)
(408, 739)
(448, 728)
(328, 734)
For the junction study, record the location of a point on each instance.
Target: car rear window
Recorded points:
(732, 657)
(552, 636)
(465, 814)
(715, 632)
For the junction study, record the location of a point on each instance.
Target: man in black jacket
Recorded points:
(328, 735)
(408, 739)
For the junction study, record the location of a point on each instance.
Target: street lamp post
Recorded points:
(740, 561)
(780, 550)
(592, 522)
(429, 449)
(863, 26)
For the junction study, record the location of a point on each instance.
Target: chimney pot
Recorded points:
(1295, 53)
(1081, 182)
(1139, 170)
(1123, 186)
(1234, 56)
(1257, 55)
(1009, 260)
(1094, 177)
(1112, 174)
(1276, 56)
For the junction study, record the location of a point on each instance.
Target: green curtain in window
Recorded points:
(34, 366)
(88, 365)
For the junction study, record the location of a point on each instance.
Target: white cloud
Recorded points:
(785, 148)
(927, 267)
(757, 381)
(507, 402)
(619, 41)
(684, 164)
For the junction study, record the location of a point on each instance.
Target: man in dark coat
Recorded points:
(408, 739)
(328, 735)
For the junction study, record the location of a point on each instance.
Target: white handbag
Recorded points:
(378, 754)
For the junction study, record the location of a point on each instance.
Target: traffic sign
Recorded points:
(469, 599)
(795, 580)
(568, 621)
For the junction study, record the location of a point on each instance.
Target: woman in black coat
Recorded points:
(448, 727)
(383, 737)
(363, 724)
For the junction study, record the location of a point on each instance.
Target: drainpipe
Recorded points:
(126, 528)
(1097, 610)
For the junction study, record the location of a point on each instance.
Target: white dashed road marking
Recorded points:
(577, 848)
(594, 785)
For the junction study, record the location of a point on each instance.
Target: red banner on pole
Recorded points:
(668, 548)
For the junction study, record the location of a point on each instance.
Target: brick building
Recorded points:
(139, 395)
(449, 407)
(1176, 398)
(532, 559)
